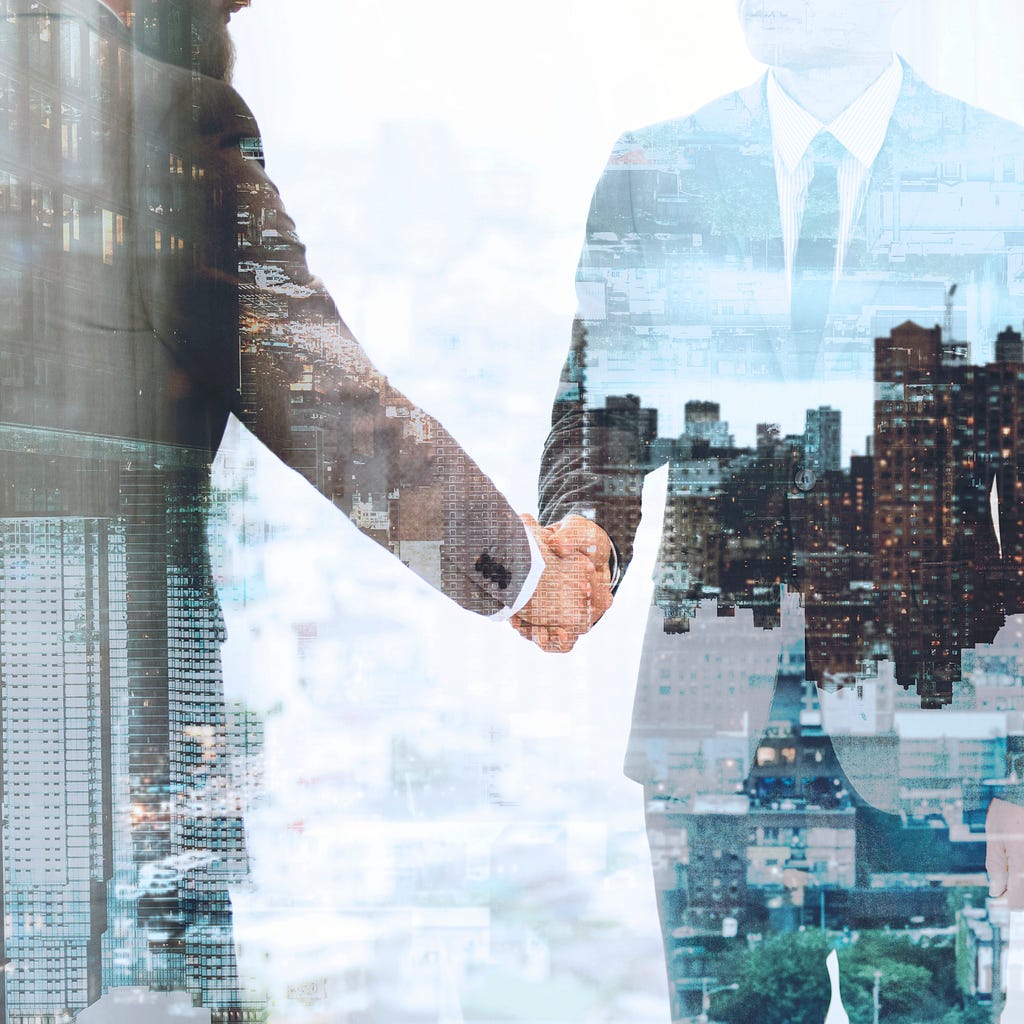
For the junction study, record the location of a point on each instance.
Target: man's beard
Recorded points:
(201, 41)
(216, 51)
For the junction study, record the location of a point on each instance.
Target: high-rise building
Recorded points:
(703, 423)
(823, 439)
(948, 529)
(63, 660)
(913, 554)
(1009, 346)
(112, 714)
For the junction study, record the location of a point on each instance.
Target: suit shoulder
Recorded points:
(931, 118)
(223, 112)
(731, 118)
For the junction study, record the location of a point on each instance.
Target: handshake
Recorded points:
(575, 589)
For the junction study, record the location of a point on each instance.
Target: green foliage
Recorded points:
(963, 959)
(889, 952)
(971, 1013)
(784, 981)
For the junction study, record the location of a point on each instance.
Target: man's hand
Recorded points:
(575, 590)
(1004, 852)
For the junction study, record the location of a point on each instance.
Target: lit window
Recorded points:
(108, 237)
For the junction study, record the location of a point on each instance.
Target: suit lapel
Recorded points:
(913, 135)
(744, 167)
(745, 224)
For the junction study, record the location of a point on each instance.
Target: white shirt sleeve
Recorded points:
(536, 571)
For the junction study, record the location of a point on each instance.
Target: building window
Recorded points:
(39, 40)
(99, 51)
(10, 193)
(41, 123)
(70, 131)
(108, 237)
(70, 53)
(42, 206)
(9, 107)
(72, 222)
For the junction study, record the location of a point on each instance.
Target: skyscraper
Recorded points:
(121, 835)
(822, 439)
(63, 660)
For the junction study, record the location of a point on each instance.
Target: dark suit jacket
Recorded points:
(152, 284)
(683, 297)
(139, 189)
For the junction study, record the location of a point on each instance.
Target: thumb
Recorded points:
(576, 535)
(996, 851)
(997, 866)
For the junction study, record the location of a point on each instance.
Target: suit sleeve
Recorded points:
(600, 446)
(308, 390)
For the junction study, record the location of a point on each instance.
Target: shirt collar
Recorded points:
(861, 127)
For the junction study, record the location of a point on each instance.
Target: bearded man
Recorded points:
(152, 285)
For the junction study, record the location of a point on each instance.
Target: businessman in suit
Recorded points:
(739, 265)
(152, 284)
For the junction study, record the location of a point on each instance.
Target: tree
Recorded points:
(784, 981)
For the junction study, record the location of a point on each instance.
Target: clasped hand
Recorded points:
(1004, 853)
(575, 589)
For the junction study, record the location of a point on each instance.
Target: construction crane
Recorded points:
(947, 327)
(954, 353)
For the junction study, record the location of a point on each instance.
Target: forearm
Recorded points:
(310, 392)
(591, 469)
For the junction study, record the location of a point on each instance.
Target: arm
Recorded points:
(594, 462)
(599, 448)
(308, 390)
(591, 478)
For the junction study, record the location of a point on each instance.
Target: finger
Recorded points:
(595, 590)
(533, 631)
(543, 639)
(574, 535)
(998, 867)
(599, 607)
(602, 595)
(539, 634)
(557, 640)
(996, 853)
(519, 624)
(588, 538)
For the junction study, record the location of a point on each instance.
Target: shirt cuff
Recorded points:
(536, 571)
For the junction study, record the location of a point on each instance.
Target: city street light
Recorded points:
(707, 993)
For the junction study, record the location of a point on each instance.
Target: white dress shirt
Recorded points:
(860, 129)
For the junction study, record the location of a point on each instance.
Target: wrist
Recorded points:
(614, 566)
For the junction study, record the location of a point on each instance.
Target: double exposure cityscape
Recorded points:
(808, 320)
